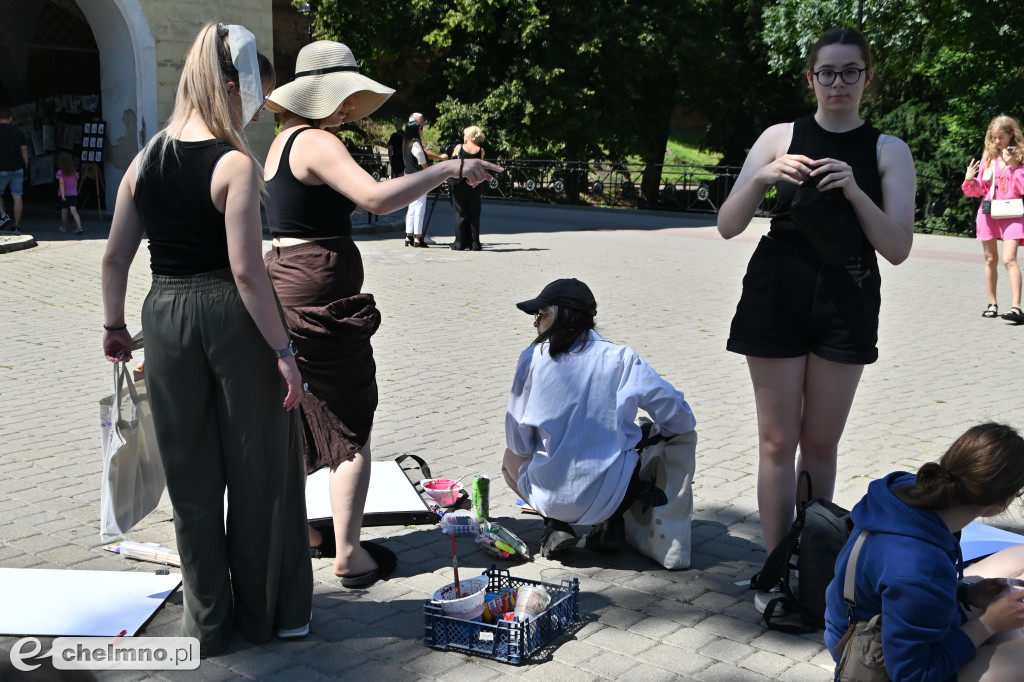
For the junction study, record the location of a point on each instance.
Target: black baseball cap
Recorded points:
(565, 293)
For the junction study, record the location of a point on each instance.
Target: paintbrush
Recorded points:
(460, 522)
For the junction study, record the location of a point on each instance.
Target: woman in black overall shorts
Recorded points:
(806, 326)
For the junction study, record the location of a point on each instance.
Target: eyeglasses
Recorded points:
(828, 76)
(539, 314)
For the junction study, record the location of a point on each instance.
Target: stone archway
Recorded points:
(128, 82)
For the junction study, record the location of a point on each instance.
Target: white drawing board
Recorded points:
(391, 500)
(69, 603)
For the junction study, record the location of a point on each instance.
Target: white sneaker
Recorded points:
(428, 240)
(293, 633)
(4, 219)
(762, 599)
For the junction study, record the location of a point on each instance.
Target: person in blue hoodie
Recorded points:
(938, 624)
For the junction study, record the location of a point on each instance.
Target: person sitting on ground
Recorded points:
(571, 428)
(936, 623)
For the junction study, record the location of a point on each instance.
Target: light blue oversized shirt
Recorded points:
(573, 420)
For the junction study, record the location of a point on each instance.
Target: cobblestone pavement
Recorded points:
(666, 285)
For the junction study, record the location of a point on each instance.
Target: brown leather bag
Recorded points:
(862, 659)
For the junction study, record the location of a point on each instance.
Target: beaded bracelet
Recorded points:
(115, 328)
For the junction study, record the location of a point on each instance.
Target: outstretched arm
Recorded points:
(322, 154)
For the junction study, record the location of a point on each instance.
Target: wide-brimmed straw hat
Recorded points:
(326, 74)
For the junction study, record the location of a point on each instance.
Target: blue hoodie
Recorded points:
(909, 570)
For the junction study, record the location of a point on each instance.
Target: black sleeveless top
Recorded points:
(856, 147)
(295, 209)
(186, 231)
(463, 154)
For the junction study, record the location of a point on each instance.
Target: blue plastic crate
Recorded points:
(504, 641)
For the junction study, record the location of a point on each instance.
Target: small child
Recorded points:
(67, 189)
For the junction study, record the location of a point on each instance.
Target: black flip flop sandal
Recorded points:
(386, 564)
(991, 311)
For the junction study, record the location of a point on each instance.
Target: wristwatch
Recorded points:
(285, 352)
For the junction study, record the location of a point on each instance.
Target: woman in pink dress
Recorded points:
(999, 175)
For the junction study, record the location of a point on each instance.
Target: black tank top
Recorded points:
(463, 154)
(295, 209)
(856, 147)
(186, 231)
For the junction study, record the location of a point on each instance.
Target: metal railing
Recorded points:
(684, 188)
(694, 189)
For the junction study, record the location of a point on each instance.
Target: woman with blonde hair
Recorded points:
(313, 184)
(999, 175)
(220, 371)
(466, 199)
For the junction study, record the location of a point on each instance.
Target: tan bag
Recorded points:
(663, 533)
(862, 659)
(133, 475)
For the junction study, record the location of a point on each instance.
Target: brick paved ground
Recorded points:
(666, 285)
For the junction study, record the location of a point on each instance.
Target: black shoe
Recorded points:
(456, 246)
(4, 219)
(409, 240)
(1014, 315)
(558, 537)
(608, 536)
(477, 247)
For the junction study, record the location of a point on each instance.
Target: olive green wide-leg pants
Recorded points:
(216, 397)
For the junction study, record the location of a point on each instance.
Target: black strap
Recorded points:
(646, 438)
(423, 468)
(810, 489)
(329, 69)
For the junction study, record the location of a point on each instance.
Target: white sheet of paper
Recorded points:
(390, 491)
(69, 603)
(978, 540)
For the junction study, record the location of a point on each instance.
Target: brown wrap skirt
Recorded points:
(330, 323)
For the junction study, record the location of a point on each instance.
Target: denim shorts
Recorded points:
(793, 304)
(15, 179)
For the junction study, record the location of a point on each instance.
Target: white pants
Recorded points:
(414, 216)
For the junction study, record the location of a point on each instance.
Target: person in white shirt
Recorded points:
(571, 430)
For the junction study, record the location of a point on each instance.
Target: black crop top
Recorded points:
(857, 147)
(295, 209)
(186, 231)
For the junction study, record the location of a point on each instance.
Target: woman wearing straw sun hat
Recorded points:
(312, 186)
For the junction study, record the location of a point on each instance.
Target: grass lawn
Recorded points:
(683, 149)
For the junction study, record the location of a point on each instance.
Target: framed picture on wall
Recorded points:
(85, 156)
(99, 157)
(99, 128)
